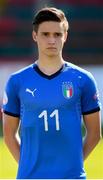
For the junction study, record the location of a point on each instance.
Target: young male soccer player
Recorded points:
(48, 99)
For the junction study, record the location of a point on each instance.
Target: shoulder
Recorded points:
(79, 72)
(18, 77)
(24, 72)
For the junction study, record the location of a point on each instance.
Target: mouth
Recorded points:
(53, 48)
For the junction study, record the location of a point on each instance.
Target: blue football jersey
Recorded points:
(50, 110)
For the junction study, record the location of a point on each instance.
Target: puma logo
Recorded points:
(31, 92)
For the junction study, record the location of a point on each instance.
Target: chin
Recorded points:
(52, 54)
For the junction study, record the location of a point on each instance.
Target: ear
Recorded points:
(34, 36)
(65, 36)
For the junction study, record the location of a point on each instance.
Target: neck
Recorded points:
(50, 65)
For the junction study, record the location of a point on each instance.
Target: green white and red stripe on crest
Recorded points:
(67, 89)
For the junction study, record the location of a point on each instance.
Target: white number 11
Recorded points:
(54, 113)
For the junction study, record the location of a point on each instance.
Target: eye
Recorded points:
(58, 34)
(45, 33)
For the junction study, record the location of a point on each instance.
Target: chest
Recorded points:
(49, 103)
(58, 92)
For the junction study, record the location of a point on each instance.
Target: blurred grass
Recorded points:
(8, 166)
(93, 165)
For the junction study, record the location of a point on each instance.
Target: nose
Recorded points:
(51, 40)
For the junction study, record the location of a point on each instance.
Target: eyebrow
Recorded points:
(50, 32)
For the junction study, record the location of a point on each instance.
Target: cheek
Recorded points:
(42, 41)
(61, 43)
(39, 42)
(41, 45)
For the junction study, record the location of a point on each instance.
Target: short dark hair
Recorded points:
(49, 14)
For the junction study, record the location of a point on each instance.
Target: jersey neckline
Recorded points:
(36, 68)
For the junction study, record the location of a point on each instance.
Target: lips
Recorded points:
(51, 48)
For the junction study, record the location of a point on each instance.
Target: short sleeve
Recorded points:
(11, 104)
(90, 96)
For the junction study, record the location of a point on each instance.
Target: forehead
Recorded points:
(51, 26)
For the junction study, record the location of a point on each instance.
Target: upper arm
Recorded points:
(90, 102)
(93, 123)
(11, 102)
(10, 125)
